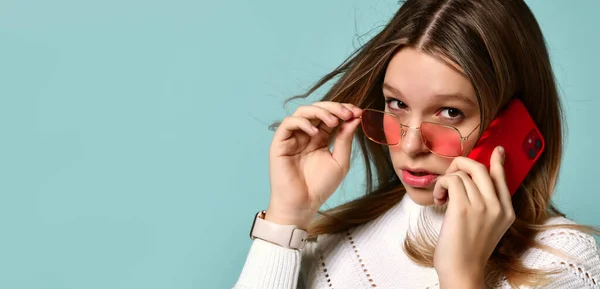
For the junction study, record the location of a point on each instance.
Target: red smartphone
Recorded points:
(515, 130)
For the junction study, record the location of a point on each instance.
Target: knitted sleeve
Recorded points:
(269, 266)
(579, 269)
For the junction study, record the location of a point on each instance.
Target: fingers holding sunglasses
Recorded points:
(317, 115)
(291, 124)
(344, 111)
(326, 115)
(342, 147)
(321, 116)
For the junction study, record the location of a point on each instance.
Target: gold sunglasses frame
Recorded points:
(403, 132)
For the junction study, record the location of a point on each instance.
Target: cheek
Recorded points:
(470, 143)
(444, 163)
(396, 154)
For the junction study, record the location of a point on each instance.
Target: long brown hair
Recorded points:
(500, 47)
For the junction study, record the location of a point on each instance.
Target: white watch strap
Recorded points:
(288, 236)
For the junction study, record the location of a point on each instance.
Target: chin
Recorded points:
(421, 196)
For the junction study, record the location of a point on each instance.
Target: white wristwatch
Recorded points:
(288, 236)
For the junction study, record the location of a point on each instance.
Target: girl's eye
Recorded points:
(451, 113)
(395, 104)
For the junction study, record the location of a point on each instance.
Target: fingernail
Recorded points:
(502, 153)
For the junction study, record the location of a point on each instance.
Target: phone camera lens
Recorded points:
(532, 153)
(538, 144)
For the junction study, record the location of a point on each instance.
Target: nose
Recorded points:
(412, 142)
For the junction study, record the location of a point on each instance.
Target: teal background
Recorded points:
(134, 136)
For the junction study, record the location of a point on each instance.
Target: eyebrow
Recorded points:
(457, 96)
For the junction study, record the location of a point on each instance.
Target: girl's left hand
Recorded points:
(479, 212)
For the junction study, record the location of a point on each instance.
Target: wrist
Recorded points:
(469, 280)
(289, 217)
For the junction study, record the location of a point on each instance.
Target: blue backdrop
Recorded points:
(134, 133)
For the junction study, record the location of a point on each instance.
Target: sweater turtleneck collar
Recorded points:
(416, 215)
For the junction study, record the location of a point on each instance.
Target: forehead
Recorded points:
(417, 75)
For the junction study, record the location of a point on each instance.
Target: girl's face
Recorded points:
(417, 88)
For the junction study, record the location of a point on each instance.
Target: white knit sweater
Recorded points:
(371, 255)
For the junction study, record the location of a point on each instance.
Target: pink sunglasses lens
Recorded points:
(381, 127)
(442, 140)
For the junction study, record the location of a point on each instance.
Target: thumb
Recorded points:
(342, 146)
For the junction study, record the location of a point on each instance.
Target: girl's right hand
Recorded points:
(304, 173)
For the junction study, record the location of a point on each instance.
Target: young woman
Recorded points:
(431, 217)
